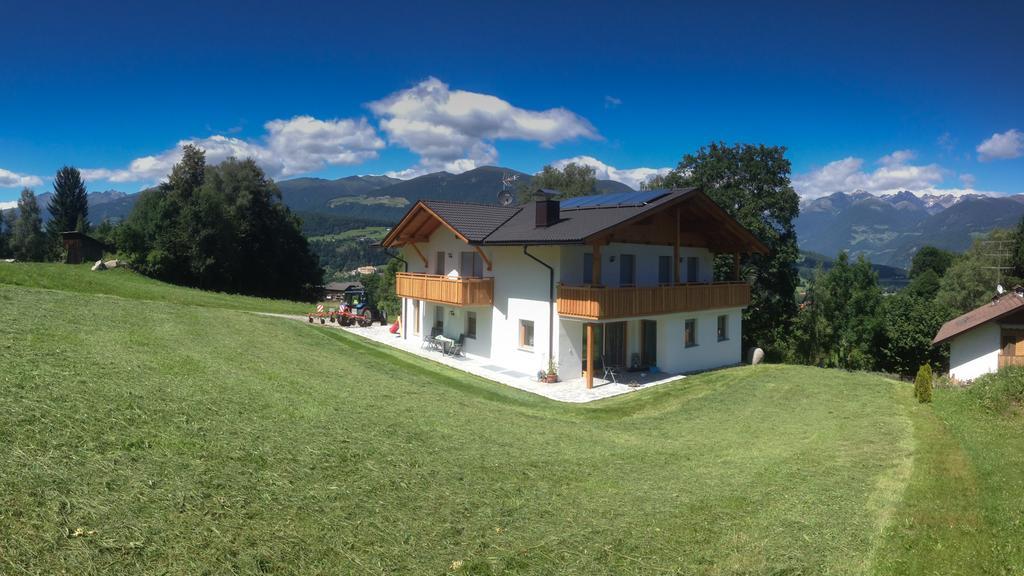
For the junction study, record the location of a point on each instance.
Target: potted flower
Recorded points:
(552, 373)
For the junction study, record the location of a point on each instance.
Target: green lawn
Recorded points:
(120, 282)
(194, 437)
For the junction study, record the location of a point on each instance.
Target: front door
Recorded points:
(649, 342)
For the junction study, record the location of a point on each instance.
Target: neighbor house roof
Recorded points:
(581, 220)
(342, 286)
(1004, 305)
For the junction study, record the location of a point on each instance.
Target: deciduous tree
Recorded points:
(752, 184)
(28, 241)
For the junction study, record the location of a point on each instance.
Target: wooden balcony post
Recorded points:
(675, 252)
(590, 355)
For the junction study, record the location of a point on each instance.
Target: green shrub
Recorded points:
(923, 384)
(1001, 390)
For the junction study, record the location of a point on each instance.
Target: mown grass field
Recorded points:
(191, 436)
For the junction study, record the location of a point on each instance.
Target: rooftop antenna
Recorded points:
(997, 251)
(505, 197)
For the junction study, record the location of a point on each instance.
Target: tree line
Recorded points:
(22, 234)
(221, 228)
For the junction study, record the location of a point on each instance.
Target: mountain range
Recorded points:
(888, 229)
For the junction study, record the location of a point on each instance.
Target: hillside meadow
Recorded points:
(154, 429)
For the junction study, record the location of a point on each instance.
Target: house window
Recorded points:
(526, 334)
(690, 333)
(470, 324)
(472, 265)
(439, 317)
(723, 327)
(588, 268)
(627, 270)
(439, 264)
(692, 268)
(664, 269)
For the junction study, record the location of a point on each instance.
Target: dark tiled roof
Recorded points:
(574, 225)
(474, 221)
(342, 286)
(1007, 303)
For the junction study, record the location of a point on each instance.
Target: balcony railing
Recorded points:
(1005, 361)
(445, 290)
(599, 303)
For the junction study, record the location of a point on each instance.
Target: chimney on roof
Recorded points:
(548, 209)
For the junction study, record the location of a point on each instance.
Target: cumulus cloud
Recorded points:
(631, 177)
(289, 147)
(894, 173)
(10, 179)
(967, 180)
(8, 205)
(454, 130)
(1002, 146)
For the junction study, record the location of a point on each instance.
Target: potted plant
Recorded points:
(552, 373)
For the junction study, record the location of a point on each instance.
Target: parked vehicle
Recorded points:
(353, 309)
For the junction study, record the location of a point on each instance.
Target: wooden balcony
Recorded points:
(1005, 361)
(445, 290)
(598, 303)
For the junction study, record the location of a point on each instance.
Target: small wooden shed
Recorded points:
(80, 247)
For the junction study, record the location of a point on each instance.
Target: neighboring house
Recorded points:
(80, 247)
(986, 338)
(335, 290)
(624, 279)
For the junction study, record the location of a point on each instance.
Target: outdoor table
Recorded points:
(445, 342)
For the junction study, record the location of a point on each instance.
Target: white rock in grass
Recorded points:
(755, 356)
(99, 265)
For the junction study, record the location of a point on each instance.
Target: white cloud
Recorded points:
(8, 205)
(612, 102)
(893, 175)
(847, 175)
(631, 177)
(289, 147)
(1001, 146)
(454, 130)
(897, 158)
(10, 179)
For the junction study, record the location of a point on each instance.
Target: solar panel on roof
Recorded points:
(617, 199)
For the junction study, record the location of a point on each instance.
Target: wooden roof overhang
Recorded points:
(416, 226)
(691, 220)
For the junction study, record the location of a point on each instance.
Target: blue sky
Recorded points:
(925, 96)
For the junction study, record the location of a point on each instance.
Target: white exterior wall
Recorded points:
(646, 263)
(673, 355)
(975, 352)
(521, 293)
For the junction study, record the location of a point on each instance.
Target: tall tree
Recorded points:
(839, 324)
(69, 204)
(220, 228)
(752, 184)
(28, 241)
(971, 280)
(931, 258)
(571, 181)
(6, 223)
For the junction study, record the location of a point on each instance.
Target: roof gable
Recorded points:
(1000, 307)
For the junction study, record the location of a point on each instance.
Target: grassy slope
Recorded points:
(125, 284)
(204, 440)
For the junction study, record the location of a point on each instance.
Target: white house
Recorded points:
(986, 338)
(623, 279)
